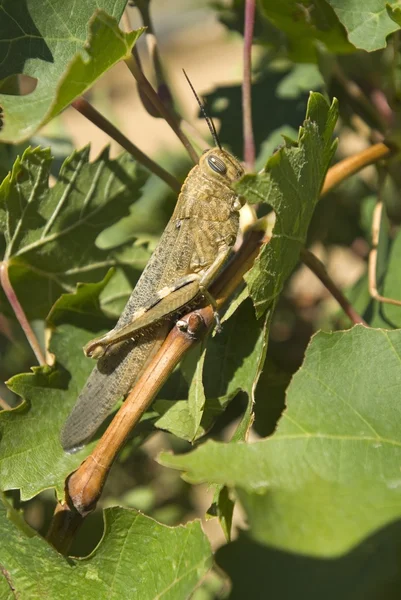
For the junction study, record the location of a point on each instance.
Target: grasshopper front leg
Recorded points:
(167, 301)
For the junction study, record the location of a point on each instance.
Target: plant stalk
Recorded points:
(87, 110)
(19, 313)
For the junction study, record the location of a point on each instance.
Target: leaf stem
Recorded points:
(249, 143)
(318, 268)
(87, 110)
(19, 313)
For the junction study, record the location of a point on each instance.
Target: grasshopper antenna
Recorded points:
(208, 120)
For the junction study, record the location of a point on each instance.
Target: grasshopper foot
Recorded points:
(218, 326)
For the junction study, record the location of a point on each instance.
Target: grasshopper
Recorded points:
(192, 249)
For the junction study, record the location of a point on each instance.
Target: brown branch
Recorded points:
(19, 313)
(87, 110)
(318, 268)
(349, 166)
(85, 485)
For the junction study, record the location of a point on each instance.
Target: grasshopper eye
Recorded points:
(217, 164)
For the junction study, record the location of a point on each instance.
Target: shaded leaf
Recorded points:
(306, 25)
(50, 43)
(169, 561)
(332, 466)
(50, 233)
(371, 571)
(301, 79)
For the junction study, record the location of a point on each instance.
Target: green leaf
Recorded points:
(394, 12)
(332, 468)
(301, 78)
(65, 50)
(169, 561)
(290, 184)
(50, 233)
(367, 24)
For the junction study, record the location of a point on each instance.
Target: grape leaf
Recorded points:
(169, 561)
(290, 184)
(49, 42)
(332, 467)
(370, 571)
(50, 234)
(367, 24)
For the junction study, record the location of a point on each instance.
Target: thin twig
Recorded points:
(318, 268)
(249, 143)
(152, 46)
(372, 263)
(88, 111)
(164, 110)
(19, 313)
(349, 166)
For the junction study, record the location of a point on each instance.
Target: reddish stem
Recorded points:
(249, 143)
(19, 313)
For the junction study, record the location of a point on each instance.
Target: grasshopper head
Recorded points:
(221, 164)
